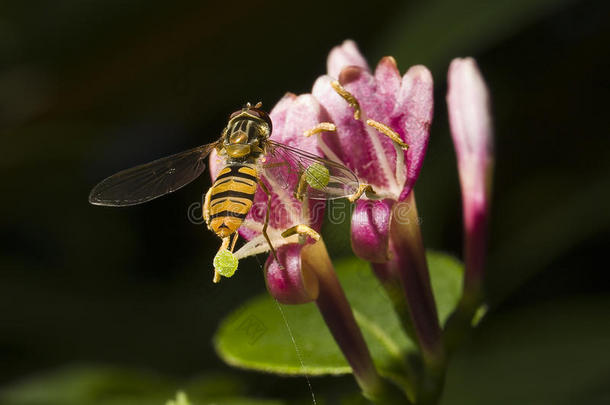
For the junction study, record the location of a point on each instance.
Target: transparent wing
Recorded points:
(323, 178)
(151, 180)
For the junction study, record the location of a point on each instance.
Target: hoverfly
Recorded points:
(247, 150)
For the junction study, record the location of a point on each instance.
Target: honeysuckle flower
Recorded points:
(471, 129)
(382, 130)
(404, 104)
(303, 271)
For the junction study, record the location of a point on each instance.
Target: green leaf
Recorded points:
(553, 353)
(113, 386)
(446, 278)
(86, 385)
(264, 335)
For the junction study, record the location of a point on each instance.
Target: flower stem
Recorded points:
(412, 269)
(415, 305)
(387, 274)
(460, 322)
(475, 248)
(337, 314)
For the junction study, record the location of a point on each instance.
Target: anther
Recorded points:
(301, 229)
(349, 97)
(321, 127)
(389, 132)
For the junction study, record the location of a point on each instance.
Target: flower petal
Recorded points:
(289, 283)
(413, 116)
(352, 144)
(280, 110)
(215, 163)
(471, 129)
(375, 106)
(388, 80)
(404, 105)
(370, 231)
(346, 54)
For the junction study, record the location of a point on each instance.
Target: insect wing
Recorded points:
(151, 180)
(326, 179)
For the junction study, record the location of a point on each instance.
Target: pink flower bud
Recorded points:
(471, 129)
(289, 282)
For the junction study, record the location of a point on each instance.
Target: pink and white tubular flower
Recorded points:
(291, 116)
(403, 104)
(468, 104)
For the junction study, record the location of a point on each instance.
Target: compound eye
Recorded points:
(262, 115)
(267, 119)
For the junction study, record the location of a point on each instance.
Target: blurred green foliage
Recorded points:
(89, 88)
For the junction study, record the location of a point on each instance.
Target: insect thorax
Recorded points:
(245, 137)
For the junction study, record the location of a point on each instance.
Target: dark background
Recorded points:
(90, 88)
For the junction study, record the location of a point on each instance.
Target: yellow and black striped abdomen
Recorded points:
(231, 198)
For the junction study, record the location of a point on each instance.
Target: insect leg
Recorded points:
(225, 244)
(299, 191)
(235, 237)
(266, 224)
(362, 189)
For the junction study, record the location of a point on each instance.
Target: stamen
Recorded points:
(321, 127)
(259, 245)
(301, 229)
(389, 132)
(348, 97)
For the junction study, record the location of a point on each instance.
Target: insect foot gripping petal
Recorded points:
(316, 175)
(366, 189)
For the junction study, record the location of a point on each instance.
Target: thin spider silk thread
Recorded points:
(294, 342)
